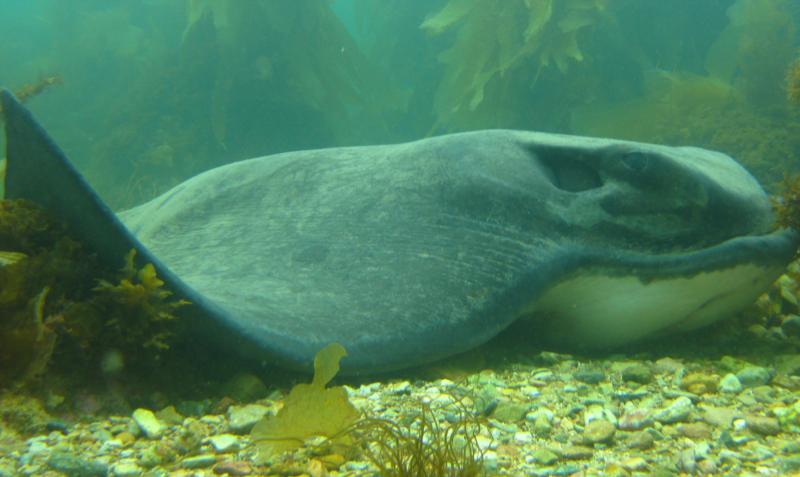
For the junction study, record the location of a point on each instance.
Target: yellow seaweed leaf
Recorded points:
(309, 410)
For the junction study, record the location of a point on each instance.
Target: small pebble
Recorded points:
(73, 466)
(635, 419)
(126, 469)
(241, 419)
(148, 423)
(544, 456)
(599, 430)
(637, 373)
(577, 453)
(695, 430)
(640, 440)
(224, 442)
(589, 375)
(767, 426)
(752, 376)
(510, 411)
(730, 384)
(677, 411)
(199, 461)
(234, 468)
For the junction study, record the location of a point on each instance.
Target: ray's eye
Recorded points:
(636, 161)
(571, 175)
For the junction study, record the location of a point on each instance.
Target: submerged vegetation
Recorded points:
(209, 82)
(309, 410)
(58, 305)
(496, 43)
(787, 205)
(421, 446)
(417, 446)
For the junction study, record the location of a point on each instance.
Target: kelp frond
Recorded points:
(493, 37)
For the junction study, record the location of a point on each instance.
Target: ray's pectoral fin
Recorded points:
(37, 170)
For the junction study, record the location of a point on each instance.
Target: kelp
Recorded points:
(495, 40)
(793, 83)
(661, 114)
(290, 51)
(754, 49)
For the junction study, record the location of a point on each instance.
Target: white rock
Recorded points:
(730, 384)
(242, 418)
(523, 437)
(126, 469)
(148, 423)
(224, 442)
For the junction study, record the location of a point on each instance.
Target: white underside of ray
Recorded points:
(600, 311)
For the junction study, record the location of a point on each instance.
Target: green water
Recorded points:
(156, 91)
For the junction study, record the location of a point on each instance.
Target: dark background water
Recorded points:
(156, 91)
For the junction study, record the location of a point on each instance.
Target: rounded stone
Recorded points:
(224, 442)
(730, 384)
(544, 457)
(640, 440)
(752, 376)
(677, 411)
(599, 430)
(510, 411)
(199, 461)
(148, 423)
(242, 418)
(245, 387)
(637, 373)
(589, 375)
(767, 426)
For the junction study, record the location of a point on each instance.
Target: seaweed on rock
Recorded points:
(49, 297)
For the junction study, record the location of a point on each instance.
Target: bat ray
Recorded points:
(412, 252)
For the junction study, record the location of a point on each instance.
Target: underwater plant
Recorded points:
(787, 205)
(422, 446)
(793, 82)
(41, 269)
(309, 410)
(419, 447)
(496, 40)
(58, 305)
(145, 301)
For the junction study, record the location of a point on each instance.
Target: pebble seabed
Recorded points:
(557, 416)
(727, 404)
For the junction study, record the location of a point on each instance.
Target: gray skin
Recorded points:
(409, 253)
